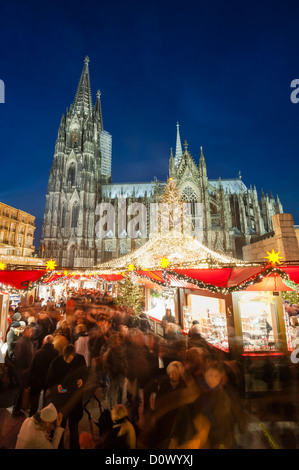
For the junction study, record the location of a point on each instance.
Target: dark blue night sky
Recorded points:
(223, 69)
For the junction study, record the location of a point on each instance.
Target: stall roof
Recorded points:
(20, 279)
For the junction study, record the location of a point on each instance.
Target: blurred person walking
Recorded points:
(65, 380)
(38, 372)
(23, 356)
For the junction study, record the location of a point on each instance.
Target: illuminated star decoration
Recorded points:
(274, 257)
(2, 266)
(131, 267)
(51, 265)
(164, 262)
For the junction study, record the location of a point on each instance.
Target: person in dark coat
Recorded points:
(167, 408)
(23, 356)
(46, 326)
(16, 329)
(167, 318)
(38, 371)
(65, 380)
(215, 404)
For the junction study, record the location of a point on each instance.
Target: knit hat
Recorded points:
(17, 316)
(49, 413)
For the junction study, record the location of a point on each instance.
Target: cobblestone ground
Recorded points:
(273, 421)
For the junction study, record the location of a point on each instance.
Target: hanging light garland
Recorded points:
(227, 290)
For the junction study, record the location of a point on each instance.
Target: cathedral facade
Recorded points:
(80, 182)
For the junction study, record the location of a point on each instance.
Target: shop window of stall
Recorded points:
(210, 312)
(259, 321)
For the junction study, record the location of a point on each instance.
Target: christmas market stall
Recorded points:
(17, 285)
(238, 305)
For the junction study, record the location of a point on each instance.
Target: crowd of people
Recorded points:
(171, 391)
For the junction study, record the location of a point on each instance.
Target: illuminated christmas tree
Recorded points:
(130, 295)
(173, 212)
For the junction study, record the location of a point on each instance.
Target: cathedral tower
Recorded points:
(81, 164)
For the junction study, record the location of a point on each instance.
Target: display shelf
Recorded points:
(213, 328)
(257, 333)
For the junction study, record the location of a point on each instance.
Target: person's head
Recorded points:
(294, 321)
(213, 373)
(168, 312)
(172, 329)
(174, 371)
(123, 330)
(17, 316)
(46, 417)
(31, 320)
(195, 330)
(195, 359)
(119, 412)
(136, 337)
(48, 339)
(28, 332)
(69, 352)
(81, 328)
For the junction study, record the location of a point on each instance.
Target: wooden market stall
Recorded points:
(238, 305)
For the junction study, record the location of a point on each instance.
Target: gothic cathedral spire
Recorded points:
(81, 164)
(178, 148)
(83, 102)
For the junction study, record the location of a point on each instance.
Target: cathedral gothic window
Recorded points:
(75, 138)
(71, 174)
(189, 196)
(75, 215)
(63, 215)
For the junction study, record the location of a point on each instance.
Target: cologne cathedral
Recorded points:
(80, 181)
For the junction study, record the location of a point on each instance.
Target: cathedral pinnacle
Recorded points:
(178, 148)
(83, 102)
(201, 158)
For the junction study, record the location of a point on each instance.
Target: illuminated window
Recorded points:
(258, 313)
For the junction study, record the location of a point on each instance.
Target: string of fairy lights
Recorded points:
(164, 269)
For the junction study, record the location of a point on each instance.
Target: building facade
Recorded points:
(283, 239)
(16, 235)
(80, 181)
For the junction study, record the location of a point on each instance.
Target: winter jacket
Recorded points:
(82, 346)
(11, 339)
(40, 366)
(60, 372)
(31, 436)
(121, 436)
(23, 353)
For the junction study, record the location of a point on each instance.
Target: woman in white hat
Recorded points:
(34, 432)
